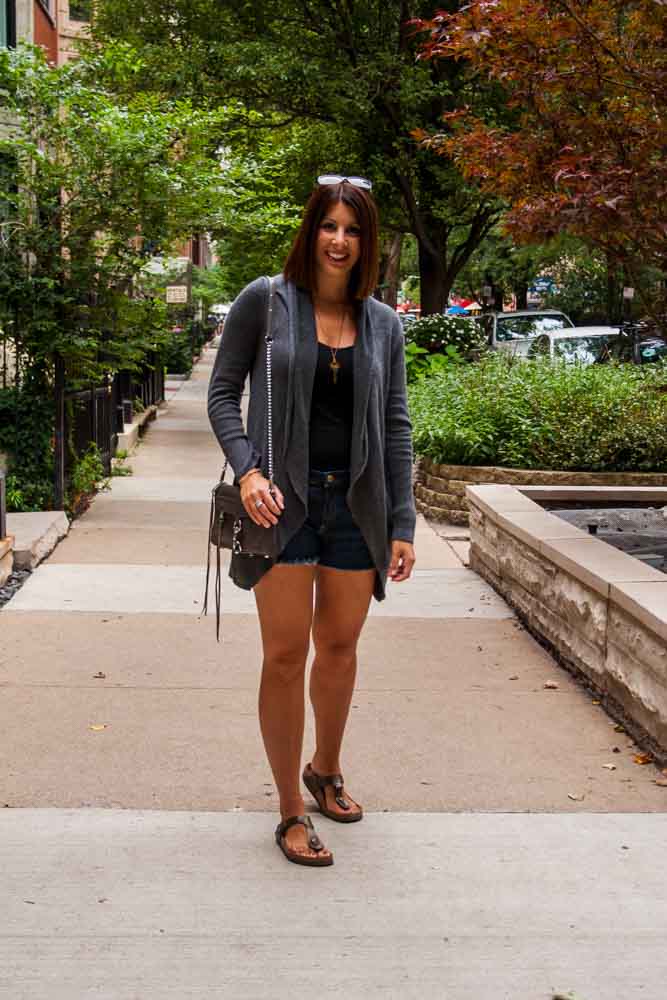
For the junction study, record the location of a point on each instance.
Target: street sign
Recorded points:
(176, 294)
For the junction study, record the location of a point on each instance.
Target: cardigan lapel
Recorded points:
(363, 373)
(302, 365)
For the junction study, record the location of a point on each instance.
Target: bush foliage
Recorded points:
(541, 415)
(437, 332)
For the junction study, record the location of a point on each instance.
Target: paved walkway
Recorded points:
(508, 859)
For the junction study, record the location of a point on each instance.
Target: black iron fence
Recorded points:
(3, 507)
(98, 415)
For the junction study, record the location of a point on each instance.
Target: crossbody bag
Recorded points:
(230, 526)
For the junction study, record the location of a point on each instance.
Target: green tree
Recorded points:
(92, 187)
(97, 187)
(582, 151)
(351, 68)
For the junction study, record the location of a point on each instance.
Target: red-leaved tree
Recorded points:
(579, 142)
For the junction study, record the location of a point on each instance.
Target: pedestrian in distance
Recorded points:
(342, 505)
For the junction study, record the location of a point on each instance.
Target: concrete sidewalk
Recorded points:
(116, 695)
(136, 905)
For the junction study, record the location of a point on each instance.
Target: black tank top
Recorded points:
(331, 410)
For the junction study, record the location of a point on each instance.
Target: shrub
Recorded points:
(87, 476)
(541, 415)
(438, 332)
(26, 431)
(177, 352)
(420, 364)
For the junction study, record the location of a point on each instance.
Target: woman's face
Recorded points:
(338, 246)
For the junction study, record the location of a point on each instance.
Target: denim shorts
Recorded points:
(329, 536)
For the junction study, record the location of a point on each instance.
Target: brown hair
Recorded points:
(300, 263)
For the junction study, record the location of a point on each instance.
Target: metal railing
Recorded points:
(98, 415)
(3, 507)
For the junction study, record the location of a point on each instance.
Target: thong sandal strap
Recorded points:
(336, 780)
(314, 841)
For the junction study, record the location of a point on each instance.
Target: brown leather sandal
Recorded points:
(314, 843)
(316, 783)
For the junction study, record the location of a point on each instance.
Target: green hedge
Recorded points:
(541, 415)
(437, 332)
(26, 432)
(177, 352)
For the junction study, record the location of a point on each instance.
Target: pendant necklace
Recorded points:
(334, 364)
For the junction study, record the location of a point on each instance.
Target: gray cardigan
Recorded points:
(380, 493)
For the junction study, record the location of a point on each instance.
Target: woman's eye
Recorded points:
(354, 231)
(329, 226)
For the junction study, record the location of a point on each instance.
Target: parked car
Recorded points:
(408, 317)
(514, 331)
(597, 345)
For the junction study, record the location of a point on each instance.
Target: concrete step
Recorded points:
(36, 534)
(166, 906)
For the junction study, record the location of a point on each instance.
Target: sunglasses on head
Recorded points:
(358, 182)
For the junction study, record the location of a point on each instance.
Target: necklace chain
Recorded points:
(334, 364)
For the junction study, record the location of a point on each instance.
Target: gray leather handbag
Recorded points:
(230, 526)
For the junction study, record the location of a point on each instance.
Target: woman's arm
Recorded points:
(235, 358)
(398, 445)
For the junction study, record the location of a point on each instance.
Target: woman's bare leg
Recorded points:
(284, 599)
(341, 607)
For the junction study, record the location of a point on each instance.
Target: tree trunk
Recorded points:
(521, 295)
(613, 299)
(390, 269)
(433, 287)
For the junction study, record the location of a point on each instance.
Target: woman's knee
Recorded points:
(341, 649)
(285, 663)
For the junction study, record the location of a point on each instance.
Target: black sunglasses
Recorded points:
(358, 182)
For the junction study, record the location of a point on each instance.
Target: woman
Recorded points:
(343, 505)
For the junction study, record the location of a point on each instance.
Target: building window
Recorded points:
(80, 10)
(7, 24)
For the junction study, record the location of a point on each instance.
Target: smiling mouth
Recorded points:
(338, 258)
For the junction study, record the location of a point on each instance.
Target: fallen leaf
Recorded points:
(100, 673)
(619, 729)
(615, 749)
(642, 758)
(662, 782)
(552, 685)
(575, 798)
(514, 677)
(98, 728)
(596, 702)
(610, 767)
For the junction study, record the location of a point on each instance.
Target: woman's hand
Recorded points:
(263, 508)
(402, 561)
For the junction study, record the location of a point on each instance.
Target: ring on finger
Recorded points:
(259, 503)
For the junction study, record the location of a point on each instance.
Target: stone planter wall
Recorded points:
(440, 490)
(6, 558)
(601, 611)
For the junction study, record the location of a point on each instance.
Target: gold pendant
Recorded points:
(334, 366)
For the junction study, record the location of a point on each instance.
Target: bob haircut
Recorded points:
(300, 264)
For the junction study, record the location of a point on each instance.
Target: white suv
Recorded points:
(513, 331)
